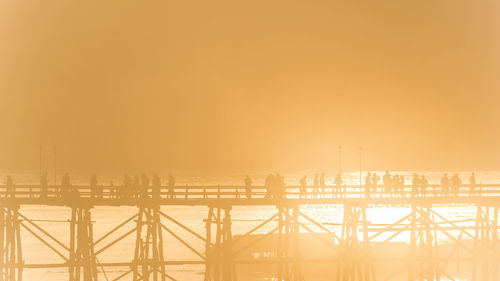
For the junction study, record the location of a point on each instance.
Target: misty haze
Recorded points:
(249, 140)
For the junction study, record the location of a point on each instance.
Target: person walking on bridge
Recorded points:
(248, 187)
(472, 185)
(134, 192)
(322, 183)
(316, 185)
(66, 189)
(279, 186)
(338, 185)
(303, 187)
(415, 182)
(455, 184)
(112, 191)
(156, 188)
(269, 184)
(423, 186)
(94, 192)
(368, 185)
(445, 184)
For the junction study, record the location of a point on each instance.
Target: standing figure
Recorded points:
(280, 186)
(338, 185)
(415, 183)
(113, 193)
(248, 187)
(303, 187)
(156, 188)
(171, 186)
(134, 191)
(472, 185)
(445, 184)
(368, 185)
(455, 185)
(423, 185)
(316, 185)
(94, 193)
(269, 186)
(66, 186)
(401, 186)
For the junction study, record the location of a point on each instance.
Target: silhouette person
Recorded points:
(156, 189)
(134, 192)
(368, 185)
(316, 185)
(279, 186)
(401, 186)
(472, 185)
(415, 182)
(322, 182)
(171, 186)
(303, 187)
(112, 192)
(423, 185)
(66, 186)
(338, 185)
(269, 186)
(445, 184)
(44, 182)
(248, 187)
(455, 184)
(94, 192)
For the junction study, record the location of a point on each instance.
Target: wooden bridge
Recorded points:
(354, 256)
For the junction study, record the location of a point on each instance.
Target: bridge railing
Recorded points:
(241, 192)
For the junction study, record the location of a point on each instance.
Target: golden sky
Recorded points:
(155, 85)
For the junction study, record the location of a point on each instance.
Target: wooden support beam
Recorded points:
(82, 263)
(354, 254)
(149, 260)
(220, 264)
(11, 266)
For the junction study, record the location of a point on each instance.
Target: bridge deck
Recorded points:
(239, 196)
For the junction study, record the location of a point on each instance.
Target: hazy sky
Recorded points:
(263, 85)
